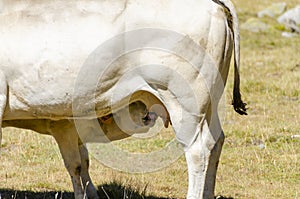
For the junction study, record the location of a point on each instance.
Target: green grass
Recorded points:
(259, 157)
(270, 85)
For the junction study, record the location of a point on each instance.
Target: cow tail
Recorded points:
(237, 102)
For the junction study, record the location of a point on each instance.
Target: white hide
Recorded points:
(35, 43)
(92, 61)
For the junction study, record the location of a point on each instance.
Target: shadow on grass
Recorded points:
(106, 191)
(16, 194)
(115, 190)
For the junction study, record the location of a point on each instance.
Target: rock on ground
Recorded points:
(255, 25)
(291, 19)
(272, 11)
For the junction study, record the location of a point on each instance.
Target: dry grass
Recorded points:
(259, 158)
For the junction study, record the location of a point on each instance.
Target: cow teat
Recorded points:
(150, 118)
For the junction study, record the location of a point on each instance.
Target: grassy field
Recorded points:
(259, 158)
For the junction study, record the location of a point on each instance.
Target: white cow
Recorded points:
(68, 68)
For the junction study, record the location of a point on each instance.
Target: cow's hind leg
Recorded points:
(3, 99)
(67, 140)
(86, 179)
(202, 159)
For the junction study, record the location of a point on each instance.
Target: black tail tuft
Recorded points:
(238, 104)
